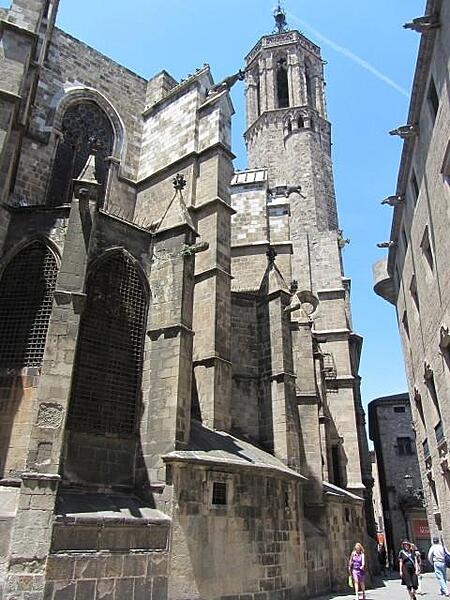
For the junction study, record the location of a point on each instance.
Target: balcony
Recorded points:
(383, 283)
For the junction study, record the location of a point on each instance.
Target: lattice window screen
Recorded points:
(108, 368)
(85, 126)
(26, 296)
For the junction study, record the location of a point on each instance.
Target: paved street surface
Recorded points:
(391, 589)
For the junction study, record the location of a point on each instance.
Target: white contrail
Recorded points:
(349, 54)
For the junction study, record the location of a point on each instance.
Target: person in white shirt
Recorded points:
(436, 557)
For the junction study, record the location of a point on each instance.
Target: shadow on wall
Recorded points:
(102, 441)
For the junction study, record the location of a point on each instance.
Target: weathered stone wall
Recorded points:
(18, 387)
(345, 526)
(73, 66)
(418, 263)
(133, 562)
(136, 576)
(249, 222)
(257, 536)
(245, 407)
(387, 424)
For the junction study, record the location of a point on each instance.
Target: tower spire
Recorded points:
(280, 19)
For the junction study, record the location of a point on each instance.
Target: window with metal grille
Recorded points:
(26, 296)
(85, 128)
(404, 446)
(219, 493)
(108, 363)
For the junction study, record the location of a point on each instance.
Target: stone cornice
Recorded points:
(177, 164)
(17, 29)
(211, 272)
(273, 115)
(228, 464)
(131, 224)
(10, 96)
(282, 39)
(209, 203)
(209, 361)
(192, 81)
(168, 331)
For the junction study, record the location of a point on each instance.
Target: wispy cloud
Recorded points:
(350, 55)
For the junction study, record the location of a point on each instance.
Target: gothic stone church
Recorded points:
(180, 415)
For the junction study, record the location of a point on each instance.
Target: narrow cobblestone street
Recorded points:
(391, 589)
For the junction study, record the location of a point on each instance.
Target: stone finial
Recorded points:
(86, 186)
(88, 172)
(405, 131)
(393, 200)
(177, 212)
(179, 182)
(423, 24)
(293, 287)
(280, 19)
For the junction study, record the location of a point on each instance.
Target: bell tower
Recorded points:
(287, 128)
(285, 203)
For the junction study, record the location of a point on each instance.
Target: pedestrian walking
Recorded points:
(356, 568)
(408, 568)
(382, 558)
(419, 563)
(436, 557)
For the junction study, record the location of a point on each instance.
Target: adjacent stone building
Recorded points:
(415, 276)
(179, 389)
(399, 480)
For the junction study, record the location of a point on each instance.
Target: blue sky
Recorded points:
(370, 63)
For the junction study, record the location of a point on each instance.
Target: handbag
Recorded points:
(350, 581)
(446, 555)
(446, 558)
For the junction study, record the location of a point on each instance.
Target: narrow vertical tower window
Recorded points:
(282, 84)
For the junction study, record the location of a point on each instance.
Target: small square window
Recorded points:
(404, 239)
(219, 493)
(404, 446)
(413, 290)
(426, 248)
(414, 186)
(433, 99)
(406, 327)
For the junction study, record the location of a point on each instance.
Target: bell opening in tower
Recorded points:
(282, 84)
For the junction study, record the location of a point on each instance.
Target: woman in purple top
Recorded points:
(356, 568)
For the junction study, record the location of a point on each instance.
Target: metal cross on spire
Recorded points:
(280, 19)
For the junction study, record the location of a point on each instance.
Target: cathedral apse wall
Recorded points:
(163, 404)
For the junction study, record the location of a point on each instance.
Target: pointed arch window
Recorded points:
(282, 84)
(310, 93)
(26, 296)
(108, 364)
(85, 128)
